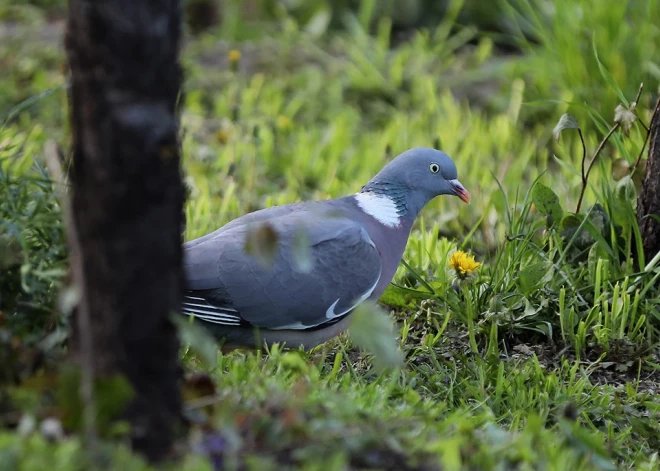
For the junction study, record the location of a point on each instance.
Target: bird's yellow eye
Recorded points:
(435, 168)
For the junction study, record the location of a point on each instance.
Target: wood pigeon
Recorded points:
(354, 245)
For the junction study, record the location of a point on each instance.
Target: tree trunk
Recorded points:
(648, 204)
(127, 206)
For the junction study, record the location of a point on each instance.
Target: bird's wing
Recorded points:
(228, 286)
(260, 215)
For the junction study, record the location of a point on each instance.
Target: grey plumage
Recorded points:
(354, 246)
(346, 267)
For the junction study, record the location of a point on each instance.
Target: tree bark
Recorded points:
(648, 203)
(127, 205)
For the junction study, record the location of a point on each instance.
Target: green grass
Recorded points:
(597, 45)
(546, 358)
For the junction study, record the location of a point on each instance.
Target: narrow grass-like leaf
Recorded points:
(606, 75)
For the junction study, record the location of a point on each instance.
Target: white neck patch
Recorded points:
(380, 207)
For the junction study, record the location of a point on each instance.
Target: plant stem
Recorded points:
(585, 177)
(641, 151)
(471, 315)
(584, 155)
(648, 133)
(639, 93)
(633, 107)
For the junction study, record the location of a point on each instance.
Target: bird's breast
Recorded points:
(391, 243)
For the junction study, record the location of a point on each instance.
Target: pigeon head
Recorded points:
(415, 177)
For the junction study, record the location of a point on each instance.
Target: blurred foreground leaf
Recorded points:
(197, 338)
(111, 394)
(373, 331)
(261, 242)
(301, 251)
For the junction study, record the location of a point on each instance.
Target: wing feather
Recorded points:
(229, 287)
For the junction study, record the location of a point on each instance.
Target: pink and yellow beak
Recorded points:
(460, 191)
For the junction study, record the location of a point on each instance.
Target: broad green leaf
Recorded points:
(620, 168)
(599, 218)
(595, 252)
(597, 226)
(530, 277)
(625, 201)
(530, 310)
(373, 331)
(496, 305)
(571, 221)
(262, 242)
(547, 202)
(579, 241)
(398, 296)
(625, 190)
(567, 121)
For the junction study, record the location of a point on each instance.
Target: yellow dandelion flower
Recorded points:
(283, 122)
(463, 264)
(234, 55)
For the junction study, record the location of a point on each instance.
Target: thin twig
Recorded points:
(58, 178)
(601, 146)
(648, 134)
(639, 93)
(648, 129)
(634, 107)
(585, 177)
(584, 155)
(641, 152)
(515, 237)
